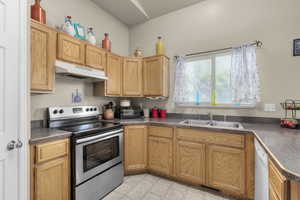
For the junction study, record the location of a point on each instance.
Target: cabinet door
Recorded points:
(277, 181)
(95, 57)
(52, 180)
(43, 54)
(135, 148)
(132, 77)
(190, 162)
(114, 73)
(272, 194)
(70, 49)
(160, 155)
(226, 169)
(155, 71)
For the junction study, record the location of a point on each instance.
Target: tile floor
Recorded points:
(149, 187)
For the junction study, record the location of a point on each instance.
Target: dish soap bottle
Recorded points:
(160, 47)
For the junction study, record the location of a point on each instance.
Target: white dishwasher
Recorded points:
(261, 173)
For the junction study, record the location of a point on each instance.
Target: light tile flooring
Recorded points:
(149, 187)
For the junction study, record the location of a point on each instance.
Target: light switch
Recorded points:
(270, 108)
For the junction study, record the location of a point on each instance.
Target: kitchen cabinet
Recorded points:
(295, 190)
(278, 184)
(95, 57)
(160, 154)
(70, 49)
(50, 171)
(190, 162)
(156, 76)
(132, 77)
(113, 85)
(43, 54)
(226, 169)
(135, 144)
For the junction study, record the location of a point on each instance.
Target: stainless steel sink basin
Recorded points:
(216, 124)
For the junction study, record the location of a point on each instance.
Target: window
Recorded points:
(206, 81)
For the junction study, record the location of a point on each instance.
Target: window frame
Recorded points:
(213, 56)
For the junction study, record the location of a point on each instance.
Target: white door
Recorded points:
(10, 95)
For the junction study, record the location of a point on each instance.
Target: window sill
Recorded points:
(215, 106)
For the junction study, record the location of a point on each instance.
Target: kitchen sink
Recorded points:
(216, 124)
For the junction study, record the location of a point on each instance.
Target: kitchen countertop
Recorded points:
(283, 145)
(39, 135)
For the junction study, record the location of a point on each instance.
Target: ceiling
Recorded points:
(133, 12)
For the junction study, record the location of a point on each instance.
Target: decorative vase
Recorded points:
(91, 36)
(38, 13)
(106, 43)
(68, 26)
(138, 53)
(160, 47)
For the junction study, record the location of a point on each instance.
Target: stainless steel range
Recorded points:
(97, 150)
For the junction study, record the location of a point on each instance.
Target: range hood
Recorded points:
(79, 71)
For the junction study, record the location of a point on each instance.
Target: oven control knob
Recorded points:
(55, 112)
(87, 109)
(61, 111)
(95, 109)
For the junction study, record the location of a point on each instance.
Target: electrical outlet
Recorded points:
(270, 108)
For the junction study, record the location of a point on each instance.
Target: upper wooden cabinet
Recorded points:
(156, 76)
(43, 54)
(132, 77)
(95, 57)
(114, 73)
(190, 162)
(70, 49)
(226, 169)
(136, 148)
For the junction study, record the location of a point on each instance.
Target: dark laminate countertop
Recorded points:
(39, 135)
(282, 145)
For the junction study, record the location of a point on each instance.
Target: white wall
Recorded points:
(214, 24)
(86, 13)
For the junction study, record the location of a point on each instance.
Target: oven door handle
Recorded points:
(84, 140)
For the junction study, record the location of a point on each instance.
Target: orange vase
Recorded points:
(38, 13)
(106, 43)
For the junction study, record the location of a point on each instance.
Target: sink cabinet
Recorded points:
(226, 169)
(190, 162)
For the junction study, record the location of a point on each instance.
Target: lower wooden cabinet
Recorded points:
(277, 183)
(190, 162)
(50, 176)
(135, 149)
(160, 154)
(226, 169)
(52, 180)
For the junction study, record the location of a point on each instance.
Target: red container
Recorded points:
(163, 113)
(154, 113)
(38, 13)
(106, 43)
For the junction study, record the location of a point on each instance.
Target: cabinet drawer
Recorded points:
(159, 131)
(277, 181)
(51, 150)
(232, 140)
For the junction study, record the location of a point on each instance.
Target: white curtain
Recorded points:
(180, 79)
(244, 75)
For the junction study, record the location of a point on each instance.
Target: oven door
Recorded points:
(97, 153)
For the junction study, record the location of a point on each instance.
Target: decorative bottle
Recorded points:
(91, 36)
(68, 26)
(38, 13)
(160, 47)
(106, 43)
